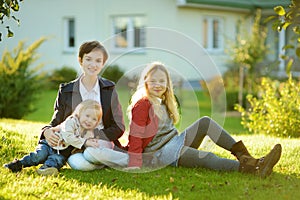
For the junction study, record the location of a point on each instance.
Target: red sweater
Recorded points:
(143, 128)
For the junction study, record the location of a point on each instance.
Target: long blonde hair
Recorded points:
(168, 97)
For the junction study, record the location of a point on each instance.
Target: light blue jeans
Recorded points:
(97, 158)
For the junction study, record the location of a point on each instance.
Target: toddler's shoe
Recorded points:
(47, 171)
(14, 166)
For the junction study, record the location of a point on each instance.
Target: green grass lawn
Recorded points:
(19, 137)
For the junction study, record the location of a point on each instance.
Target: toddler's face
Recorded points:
(88, 119)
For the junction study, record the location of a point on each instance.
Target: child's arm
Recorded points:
(91, 143)
(68, 134)
(137, 136)
(135, 151)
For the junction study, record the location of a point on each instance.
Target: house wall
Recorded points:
(173, 33)
(43, 18)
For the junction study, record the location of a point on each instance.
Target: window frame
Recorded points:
(130, 34)
(69, 32)
(208, 39)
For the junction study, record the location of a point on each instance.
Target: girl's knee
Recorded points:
(78, 162)
(205, 119)
(204, 122)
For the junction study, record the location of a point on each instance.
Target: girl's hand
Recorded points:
(91, 143)
(51, 137)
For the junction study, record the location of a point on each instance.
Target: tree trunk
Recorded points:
(241, 85)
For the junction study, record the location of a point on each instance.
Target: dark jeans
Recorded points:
(44, 154)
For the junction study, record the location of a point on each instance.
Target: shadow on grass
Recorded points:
(188, 183)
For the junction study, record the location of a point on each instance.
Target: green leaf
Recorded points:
(289, 66)
(15, 7)
(298, 52)
(285, 25)
(10, 33)
(279, 10)
(296, 30)
(270, 18)
(283, 57)
(288, 46)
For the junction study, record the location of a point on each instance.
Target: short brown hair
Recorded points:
(87, 47)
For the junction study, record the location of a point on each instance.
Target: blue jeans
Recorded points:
(97, 158)
(44, 154)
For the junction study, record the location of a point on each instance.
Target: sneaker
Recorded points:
(47, 171)
(14, 166)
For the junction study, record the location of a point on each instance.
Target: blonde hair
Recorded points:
(168, 97)
(88, 104)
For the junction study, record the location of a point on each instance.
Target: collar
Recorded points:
(84, 91)
(73, 86)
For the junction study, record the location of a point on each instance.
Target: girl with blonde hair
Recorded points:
(76, 132)
(154, 140)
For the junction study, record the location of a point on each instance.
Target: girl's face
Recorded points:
(88, 119)
(157, 83)
(92, 63)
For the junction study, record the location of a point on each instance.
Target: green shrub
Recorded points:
(19, 81)
(232, 99)
(61, 75)
(277, 110)
(113, 73)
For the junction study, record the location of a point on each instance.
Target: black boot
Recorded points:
(14, 166)
(263, 166)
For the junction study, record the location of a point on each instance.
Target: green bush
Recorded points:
(232, 99)
(276, 112)
(61, 75)
(113, 73)
(19, 81)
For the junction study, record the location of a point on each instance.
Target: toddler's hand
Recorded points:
(89, 134)
(51, 137)
(91, 143)
(56, 128)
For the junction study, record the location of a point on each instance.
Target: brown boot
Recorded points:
(262, 167)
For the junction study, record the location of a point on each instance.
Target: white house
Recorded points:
(189, 36)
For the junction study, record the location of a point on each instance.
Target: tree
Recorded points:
(276, 111)
(6, 10)
(248, 51)
(113, 73)
(20, 81)
(285, 18)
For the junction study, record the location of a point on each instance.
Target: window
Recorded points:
(69, 34)
(129, 31)
(212, 34)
